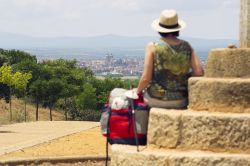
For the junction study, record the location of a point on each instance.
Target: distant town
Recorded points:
(110, 65)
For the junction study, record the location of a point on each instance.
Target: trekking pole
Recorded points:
(133, 118)
(134, 121)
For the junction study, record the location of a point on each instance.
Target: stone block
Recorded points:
(127, 156)
(244, 23)
(228, 63)
(219, 94)
(191, 130)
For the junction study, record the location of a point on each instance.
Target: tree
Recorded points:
(4, 92)
(16, 56)
(68, 91)
(40, 75)
(15, 80)
(3, 59)
(87, 99)
(85, 104)
(52, 92)
(20, 83)
(72, 79)
(36, 90)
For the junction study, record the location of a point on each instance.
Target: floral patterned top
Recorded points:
(171, 71)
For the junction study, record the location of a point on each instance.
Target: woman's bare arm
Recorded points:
(148, 67)
(197, 69)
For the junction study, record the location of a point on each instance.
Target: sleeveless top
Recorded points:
(171, 71)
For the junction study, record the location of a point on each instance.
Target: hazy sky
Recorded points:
(204, 18)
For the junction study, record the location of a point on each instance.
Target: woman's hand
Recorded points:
(132, 94)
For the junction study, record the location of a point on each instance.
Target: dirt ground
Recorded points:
(88, 163)
(86, 143)
(18, 113)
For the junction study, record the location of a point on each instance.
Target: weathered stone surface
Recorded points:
(245, 23)
(189, 130)
(162, 127)
(127, 156)
(221, 95)
(228, 63)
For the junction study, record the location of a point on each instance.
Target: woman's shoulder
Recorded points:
(151, 45)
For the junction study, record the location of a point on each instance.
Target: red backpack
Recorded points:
(127, 125)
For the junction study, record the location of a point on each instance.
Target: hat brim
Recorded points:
(155, 25)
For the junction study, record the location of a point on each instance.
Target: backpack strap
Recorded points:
(107, 152)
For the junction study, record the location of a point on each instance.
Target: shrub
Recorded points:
(89, 115)
(19, 116)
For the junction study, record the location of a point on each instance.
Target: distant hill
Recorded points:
(9, 40)
(95, 46)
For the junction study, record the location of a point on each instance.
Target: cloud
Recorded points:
(125, 5)
(189, 5)
(95, 17)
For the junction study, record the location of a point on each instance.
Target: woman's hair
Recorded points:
(170, 33)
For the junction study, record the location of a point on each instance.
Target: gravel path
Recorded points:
(19, 136)
(89, 142)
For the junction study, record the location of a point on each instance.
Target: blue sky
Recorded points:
(49, 18)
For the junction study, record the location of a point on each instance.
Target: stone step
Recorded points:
(128, 156)
(191, 130)
(228, 63)
(219, 94)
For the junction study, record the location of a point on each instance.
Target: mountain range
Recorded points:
(97, 45)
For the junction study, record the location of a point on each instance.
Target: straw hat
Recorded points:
(168, 22)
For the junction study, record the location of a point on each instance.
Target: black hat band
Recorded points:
(169, 26)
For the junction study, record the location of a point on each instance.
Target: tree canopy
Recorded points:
(56, 84)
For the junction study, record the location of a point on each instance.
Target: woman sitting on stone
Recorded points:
(168, 64)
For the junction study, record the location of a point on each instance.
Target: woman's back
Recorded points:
(171, 71)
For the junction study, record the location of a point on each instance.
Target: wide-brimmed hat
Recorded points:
(168, 22)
